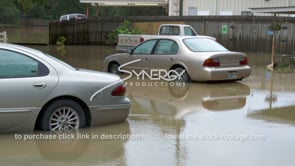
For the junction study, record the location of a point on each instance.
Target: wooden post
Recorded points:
(271, 97)
(3, 37)
(273, 40)
(87, 10)
(97, 10)
(167, 9)
(271, 66)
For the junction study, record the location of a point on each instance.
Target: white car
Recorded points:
(73, 16)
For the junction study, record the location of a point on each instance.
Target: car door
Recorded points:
(24, 85)
(141, 55)
(165, 54)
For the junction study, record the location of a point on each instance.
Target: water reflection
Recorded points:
(274, 106)
(89, 57)
(176, 102)
(260, 76)
(162, 114)
(253, 106)
(91, 146)
(168, 117)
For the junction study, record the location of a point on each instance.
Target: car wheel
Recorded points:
(63, 115)
(184, 77)
(113, 68)
(178, 91)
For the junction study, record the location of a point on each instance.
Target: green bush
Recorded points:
(274, 27)
(60, 45)
(61, 41)
(124, 28)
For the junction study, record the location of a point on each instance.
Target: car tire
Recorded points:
(63, 114)
(113, 68)
(185, 76)
(178, 91)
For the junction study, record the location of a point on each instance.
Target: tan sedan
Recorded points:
(196, 58)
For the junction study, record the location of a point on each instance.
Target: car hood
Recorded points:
(114, 56)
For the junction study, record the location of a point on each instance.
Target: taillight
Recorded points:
(141, 39)
(244, 61)
(211, 62)
(119, 91)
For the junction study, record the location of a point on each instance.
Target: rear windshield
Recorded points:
(203, 45)
(169, 30)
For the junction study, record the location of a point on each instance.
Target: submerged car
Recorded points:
(39, 91)
(197, 58)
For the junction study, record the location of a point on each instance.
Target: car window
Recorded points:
(81, 16)
(169, 30)
(16, 65)
(203, 45)
(145, 48)
(72, 17)
(166, 47)
(189, 32)
(63, 18)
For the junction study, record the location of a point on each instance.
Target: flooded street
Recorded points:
(250, 122)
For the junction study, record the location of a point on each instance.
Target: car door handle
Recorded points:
(40, 85)
(171, 59)
(146, 58)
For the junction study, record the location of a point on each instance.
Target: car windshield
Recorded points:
(61, 62)
(203, 45)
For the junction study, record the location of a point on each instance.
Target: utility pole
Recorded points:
(180, 7)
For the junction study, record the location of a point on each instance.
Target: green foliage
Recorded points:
(131, 11)
(8, 8)
(124, 28)
(46, 9)
(61, 50)
(62, 7)
(60, 45)
(61, 41)
(274, 27)
(26, 5)
(284, 68)
(53, 9)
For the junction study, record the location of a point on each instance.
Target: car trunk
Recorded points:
(231, 59)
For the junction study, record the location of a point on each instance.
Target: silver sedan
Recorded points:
(39, 91)
(195, 59)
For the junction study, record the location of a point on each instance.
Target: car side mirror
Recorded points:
(130, 51)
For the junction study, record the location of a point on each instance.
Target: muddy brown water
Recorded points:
(251, 122)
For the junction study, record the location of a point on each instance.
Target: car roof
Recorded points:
(34, 53)
(174, 37)
(20, 48)
(180, 25)
(73, 14)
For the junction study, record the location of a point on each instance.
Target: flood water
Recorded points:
(251, 122)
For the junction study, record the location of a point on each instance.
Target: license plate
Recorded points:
(232, 75)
